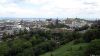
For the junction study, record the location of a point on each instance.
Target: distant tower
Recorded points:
(21, 22)
(56, 22)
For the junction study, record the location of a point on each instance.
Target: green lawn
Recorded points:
(69, 50)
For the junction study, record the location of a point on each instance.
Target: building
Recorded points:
(75, 23)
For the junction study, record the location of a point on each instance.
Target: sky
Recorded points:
(50, 8)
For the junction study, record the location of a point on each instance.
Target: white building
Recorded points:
(73, 23)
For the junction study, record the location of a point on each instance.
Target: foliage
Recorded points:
(95, 47)
(91, 35)
(38, 41)
(52, 26)
(3, 48)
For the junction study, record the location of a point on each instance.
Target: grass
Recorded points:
(69, 49)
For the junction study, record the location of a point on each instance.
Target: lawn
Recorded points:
(69, 49)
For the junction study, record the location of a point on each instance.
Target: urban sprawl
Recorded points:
(69, 24)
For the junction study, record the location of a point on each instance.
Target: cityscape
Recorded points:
(9, 26)
(50, 28)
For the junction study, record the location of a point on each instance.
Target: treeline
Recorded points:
(37, 41)
(34, 42)
(58, 25)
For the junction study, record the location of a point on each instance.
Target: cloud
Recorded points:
(50, 8)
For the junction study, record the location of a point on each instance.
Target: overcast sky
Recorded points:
(50, 8)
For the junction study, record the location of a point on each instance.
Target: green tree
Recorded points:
(5, 36)
(18, 45)
(95, 47)
(4, 49)
(91, 34)
(26, 52)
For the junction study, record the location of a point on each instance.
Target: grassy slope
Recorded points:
(69, 50)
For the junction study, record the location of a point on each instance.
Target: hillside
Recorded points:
(69, 49)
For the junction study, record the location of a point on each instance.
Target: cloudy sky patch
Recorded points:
(50, 8)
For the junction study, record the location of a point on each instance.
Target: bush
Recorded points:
(76, 41)
(95, 47)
